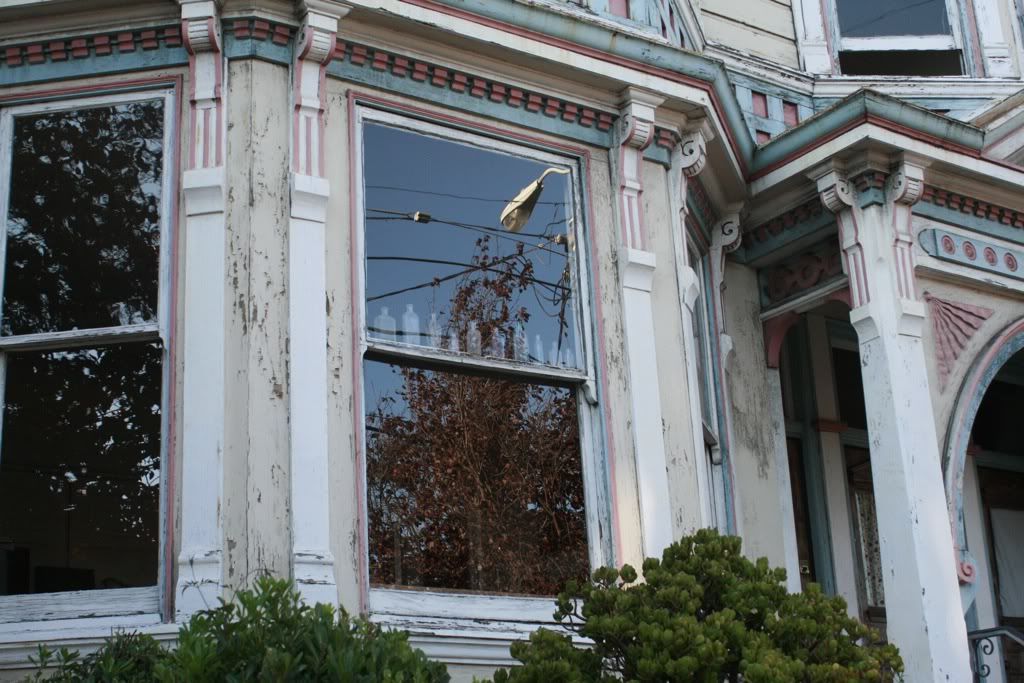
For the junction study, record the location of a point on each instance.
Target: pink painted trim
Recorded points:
(975, 47)
(827, 17)
(775, 330)
(667, 74)
(356, 97)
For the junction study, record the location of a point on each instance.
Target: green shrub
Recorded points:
(266, 634)
(704, 613)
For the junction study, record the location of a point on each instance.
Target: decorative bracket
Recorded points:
(725, 239)
(201, 34)
(634, 133)
(837, 196)
(903, 188)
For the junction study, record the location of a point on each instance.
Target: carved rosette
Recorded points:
(954, 324)
(200, 30)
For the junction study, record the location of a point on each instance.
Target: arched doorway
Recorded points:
(984, 474)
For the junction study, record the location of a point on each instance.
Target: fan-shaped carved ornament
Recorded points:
(954, 324)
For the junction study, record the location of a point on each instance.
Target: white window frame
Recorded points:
(120, 607)
(436, 610)
(953, 41)
(712, 455)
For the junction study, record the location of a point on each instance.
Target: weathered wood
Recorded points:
(74, 604)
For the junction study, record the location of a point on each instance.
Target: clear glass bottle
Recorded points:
(385, 325)
(473, 340)
(538, 349)
(520, 344)
(497, 346)
(434, 334)
(410, 326)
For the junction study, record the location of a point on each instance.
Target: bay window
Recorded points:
(83, 356)
(480, 462)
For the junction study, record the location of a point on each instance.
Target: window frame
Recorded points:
(138, 606)
(939, 42)
(463, 610)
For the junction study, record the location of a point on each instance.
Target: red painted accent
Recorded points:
(79, 48)
(126, 42)
(775, 330)
(515, 97)
(587, 118)
(790, 114)
(149, 40)
(172, 36)
(419, 71)
(57, 53)
(497, 92)
(440, 78)
(260, 29)
(551, 107)
(479, 88)
(34, 54)
(359, 55)
(400, 67)
(282, 34)
(242, 29)
(459, 82)
(102, 45)
(762, 136)
(380, 60)
(619, 8)
(569, 112)
(604, 121)
(759, 103)
(534, 102)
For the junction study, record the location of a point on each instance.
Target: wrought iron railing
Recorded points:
(983, 644)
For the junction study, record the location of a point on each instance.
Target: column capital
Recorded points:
(833, 189)
(200, 21)
(319, 30)
(693, 153)
(906, 183)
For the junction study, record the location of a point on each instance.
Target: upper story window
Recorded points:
(83, 329)
(480, 466)
(898, 37)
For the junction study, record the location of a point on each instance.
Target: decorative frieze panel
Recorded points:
(763, 232)
(801, 273)
(971, 206)
(954, 324)
(973, 253)
(99, 45)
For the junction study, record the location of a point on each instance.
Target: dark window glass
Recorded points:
(80, 469)
(870, 18)
(849, 388)
(83, 224)
(900, 63)
(473, 483)
(441, 269)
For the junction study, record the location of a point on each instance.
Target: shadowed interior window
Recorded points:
(80, 349)
(871, 18)
(474, 363)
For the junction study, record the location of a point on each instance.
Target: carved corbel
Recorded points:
(725, 239)
(201, 34)
(903, 188)
(837, 196)
(634, 133)
(693, 153)
(313, 52)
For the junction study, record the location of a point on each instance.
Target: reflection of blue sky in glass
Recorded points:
(424, 264)
(870, 18)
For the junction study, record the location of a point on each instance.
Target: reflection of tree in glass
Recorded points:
(476, 482)
(83, 227)
(85, 425)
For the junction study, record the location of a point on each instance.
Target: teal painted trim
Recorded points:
(658, 155)
(265, 50)
(870, 197)
(857, 108)
(615, 44)
(954, 248)
(1000, 461)
(702, 219)
(104, 65)
(445, 97)
(771, 89)
(814, 465)
(985, 226)
(824, 223)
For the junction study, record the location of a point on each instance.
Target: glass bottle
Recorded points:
(520, 344)
(410, 325)
(385, 325)
(473, 341)
(538, 349)
(434, 334)
(497, 345)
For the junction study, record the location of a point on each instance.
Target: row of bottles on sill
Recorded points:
(514, 345)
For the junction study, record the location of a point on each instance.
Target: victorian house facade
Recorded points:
(431, 305)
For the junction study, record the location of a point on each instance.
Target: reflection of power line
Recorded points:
(450, 196)
(420, 217)
(872, 20)
(434, 282)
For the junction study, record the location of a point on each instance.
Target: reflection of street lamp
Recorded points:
(516, 213)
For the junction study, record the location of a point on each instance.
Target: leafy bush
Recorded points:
(267, 634)
(703, 613)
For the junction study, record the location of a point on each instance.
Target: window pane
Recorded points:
(474, 483)
(83, 228)
(456, 278)
(868, 18)
(80, 469)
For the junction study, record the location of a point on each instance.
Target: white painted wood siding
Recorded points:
(763, 28)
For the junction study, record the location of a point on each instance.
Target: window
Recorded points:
(83, 356)
(706, 384)
(476, 363)
(898, 37)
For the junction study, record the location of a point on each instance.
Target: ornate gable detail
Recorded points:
(954, 324)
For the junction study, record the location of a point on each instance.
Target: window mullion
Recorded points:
(72, 339)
